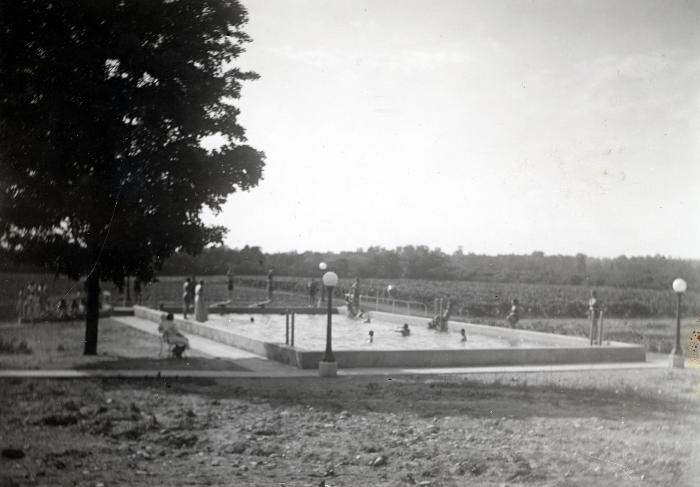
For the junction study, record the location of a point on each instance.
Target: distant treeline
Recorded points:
(422, 262)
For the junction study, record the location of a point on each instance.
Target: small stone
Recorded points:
(216, 462)
(379, 461)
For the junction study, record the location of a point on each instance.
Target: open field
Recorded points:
(626, 428)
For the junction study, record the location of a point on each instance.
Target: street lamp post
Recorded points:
(328, 367)
(676, 359)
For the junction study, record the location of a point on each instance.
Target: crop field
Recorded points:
(480, 299)
(471, 299)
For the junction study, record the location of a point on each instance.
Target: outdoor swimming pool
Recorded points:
(349, 334)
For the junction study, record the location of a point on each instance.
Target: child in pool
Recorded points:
(405, 331)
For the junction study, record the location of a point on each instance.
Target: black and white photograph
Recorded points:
(341, 243)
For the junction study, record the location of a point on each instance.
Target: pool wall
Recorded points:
(558, 349)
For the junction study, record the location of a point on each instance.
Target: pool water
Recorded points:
(349, 334)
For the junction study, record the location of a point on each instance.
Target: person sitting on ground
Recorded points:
(464, 335)
(20, 307)
(171, 336)
(62, 309)
(514, 315)
(405, 331)
(371, 337)
(74, 308)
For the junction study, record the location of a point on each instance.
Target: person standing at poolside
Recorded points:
(137, 290)
(514, 315)
(229, 283)
(200, 306)
(313, 291)
(594, 312)
(270, 278)
(355, 296)
(186, 297)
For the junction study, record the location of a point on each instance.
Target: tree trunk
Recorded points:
(92, 311)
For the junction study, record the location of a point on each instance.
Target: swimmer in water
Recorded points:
(405, 331)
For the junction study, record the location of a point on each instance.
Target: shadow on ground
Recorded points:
(192, 363)
(437, 398)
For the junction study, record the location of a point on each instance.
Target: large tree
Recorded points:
(103, 108)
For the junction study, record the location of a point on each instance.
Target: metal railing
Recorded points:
(399, 306)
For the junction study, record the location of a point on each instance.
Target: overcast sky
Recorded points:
(500, 126)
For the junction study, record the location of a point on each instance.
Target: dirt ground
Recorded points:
(626, 428)
(634, 427)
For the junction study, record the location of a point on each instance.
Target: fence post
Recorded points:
(286, 327)
(293, 322)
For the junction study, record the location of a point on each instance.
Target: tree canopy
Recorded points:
(103, 108)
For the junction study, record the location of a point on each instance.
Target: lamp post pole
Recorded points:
(677, 348)
(328, 355)
(328, 367)
(676, 359)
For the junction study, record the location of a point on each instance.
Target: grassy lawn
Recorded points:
(60, 346)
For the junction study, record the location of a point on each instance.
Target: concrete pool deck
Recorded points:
(261, 368)
(549, 350)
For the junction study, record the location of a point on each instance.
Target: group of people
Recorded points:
(440, 320)
(404, 331)
(34, 304)
(193, 294)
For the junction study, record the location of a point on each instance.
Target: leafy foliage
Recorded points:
(423, 263)
(103, 108)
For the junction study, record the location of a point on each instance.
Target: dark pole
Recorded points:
(328, 356)
(677, 347)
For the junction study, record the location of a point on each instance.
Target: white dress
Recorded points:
(200, 307)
